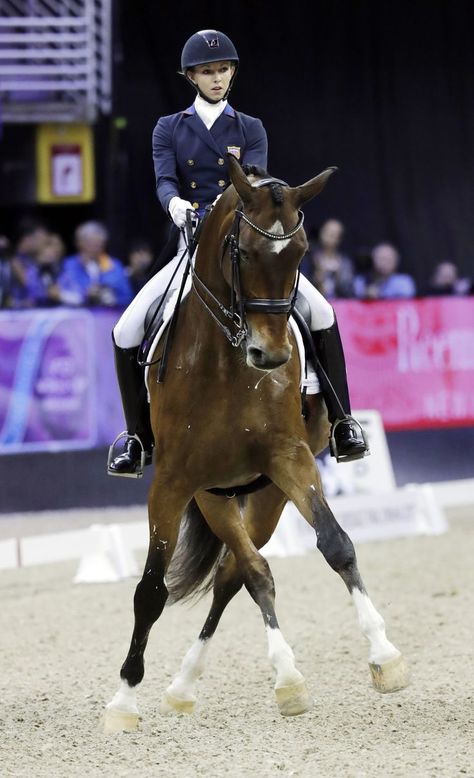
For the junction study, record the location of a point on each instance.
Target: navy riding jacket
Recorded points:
(190, 160)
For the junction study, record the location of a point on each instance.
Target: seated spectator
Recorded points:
(139, 262)
(326, 266)
(382, 282)
(48, 261)
(93, 277)
(6, 256)
(24, 271)
(445, 281)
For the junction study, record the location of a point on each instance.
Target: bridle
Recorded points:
(239, 304)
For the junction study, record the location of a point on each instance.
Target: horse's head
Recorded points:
(268, 241)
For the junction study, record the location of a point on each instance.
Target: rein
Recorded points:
(239, 304)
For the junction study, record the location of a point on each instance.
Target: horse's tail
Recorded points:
(197, 554)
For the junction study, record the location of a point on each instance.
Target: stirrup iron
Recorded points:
(333, 444)
(139, 471)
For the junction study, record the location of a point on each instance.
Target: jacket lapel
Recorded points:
(221, 126)
(198, 126)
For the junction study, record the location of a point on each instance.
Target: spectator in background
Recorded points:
(445, 281)
(24, 270)
(92, 276)
(326, 266)
(140, 258)
(382, 282)
(49, 262)
(6, 256)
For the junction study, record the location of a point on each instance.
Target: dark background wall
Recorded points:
(384, 90)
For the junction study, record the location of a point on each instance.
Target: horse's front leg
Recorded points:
(166, 505)
(295, 472)
(260, 518)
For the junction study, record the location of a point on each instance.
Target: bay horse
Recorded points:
(229, 414)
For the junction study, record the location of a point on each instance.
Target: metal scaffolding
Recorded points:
(55, 60)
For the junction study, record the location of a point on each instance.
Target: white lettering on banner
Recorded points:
(447, 405)
(448, 350)
(52, 385)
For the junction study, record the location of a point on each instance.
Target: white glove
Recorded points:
(177, 209)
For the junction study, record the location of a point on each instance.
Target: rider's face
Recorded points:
(213, 78)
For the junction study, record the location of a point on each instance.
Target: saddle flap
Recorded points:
(303, 307)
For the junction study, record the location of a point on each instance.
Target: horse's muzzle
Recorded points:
(265, 359)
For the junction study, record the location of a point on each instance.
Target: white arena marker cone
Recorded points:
(122, 556)
(97, 566)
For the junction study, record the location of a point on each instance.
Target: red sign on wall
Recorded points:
(66, 170)
(411, 360)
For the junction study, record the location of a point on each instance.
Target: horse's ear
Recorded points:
(301, 194)
(240, 180)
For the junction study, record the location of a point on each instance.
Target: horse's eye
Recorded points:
(243, 254)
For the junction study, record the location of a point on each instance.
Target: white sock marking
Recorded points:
(282, 658)
(125, 699)
(373, 627)
(192, 667)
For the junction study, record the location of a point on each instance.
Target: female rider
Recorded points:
(189, 153)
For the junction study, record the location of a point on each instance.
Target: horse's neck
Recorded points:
(210, 252)
(199, 319)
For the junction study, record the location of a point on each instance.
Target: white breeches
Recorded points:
(322, 312)
(129, 330)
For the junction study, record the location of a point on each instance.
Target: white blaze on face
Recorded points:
(278, 245)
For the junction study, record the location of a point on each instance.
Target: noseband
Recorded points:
(239, 304)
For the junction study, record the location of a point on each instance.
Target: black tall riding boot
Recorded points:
(138, 437)
(347, 440)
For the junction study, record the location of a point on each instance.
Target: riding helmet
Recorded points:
(207, 46)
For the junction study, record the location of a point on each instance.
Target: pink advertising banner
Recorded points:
(411, 360)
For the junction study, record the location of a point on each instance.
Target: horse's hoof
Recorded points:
(391, 676)
(116, 720)
(170, 704)
(294, 699)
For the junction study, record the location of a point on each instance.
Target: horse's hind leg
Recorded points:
(260, 518)
(180, 695)
(242, 565)
(150, 598)
(387, 666)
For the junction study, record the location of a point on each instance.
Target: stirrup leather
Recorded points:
(139, 472)
(333, 445)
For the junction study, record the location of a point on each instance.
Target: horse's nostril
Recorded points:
(266, 361)
(257, 356)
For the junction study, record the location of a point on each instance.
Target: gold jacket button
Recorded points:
(195, 205)
(221, 182)
(193, 185)
(190, 162)
(220, 161)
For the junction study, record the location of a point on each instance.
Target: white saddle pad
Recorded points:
(308, 378)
